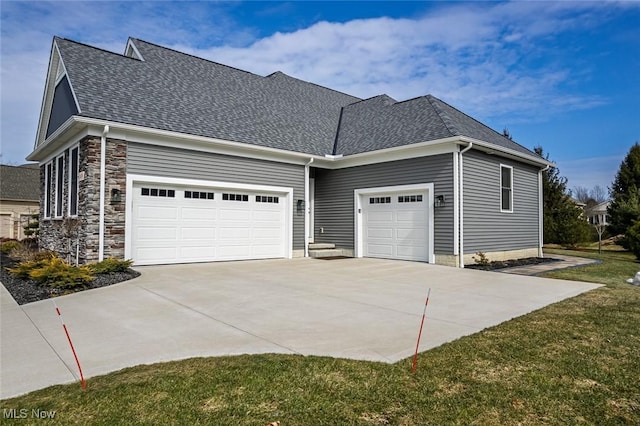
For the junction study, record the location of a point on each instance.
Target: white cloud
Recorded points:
(475, 56)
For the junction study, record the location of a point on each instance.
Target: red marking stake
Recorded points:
(415, 356)
(82, 381)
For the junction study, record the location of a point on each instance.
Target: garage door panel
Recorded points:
(194, 233)
(379, 233)
(416, 234)
(156, 233)
(273, 233)
(157, 212)
(265, 250)
(238, 231)
(380, 216)
(204, 252)
(234, 214)
(198, 213)
(413, 216)
(380, 250)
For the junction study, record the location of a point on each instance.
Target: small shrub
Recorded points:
(481, 259)
(9, 246)
(53, 272)
(632, 238)
(110, 265)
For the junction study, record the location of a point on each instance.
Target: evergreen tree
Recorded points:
(624, 210)
(563, 220)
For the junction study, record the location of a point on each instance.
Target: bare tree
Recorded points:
(599, 194)
(600, 227)
(581, 194)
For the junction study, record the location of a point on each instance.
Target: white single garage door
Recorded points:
(396, 225)
(176, 224)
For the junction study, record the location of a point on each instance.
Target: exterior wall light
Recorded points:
(439, 202)
(300, 206)
(116, 196)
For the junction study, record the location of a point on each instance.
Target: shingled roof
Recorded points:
(174, 91)
(20, 183)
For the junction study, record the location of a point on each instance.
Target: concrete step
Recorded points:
(321, 246)
(326, 253)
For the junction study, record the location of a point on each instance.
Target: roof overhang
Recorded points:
(77, 127)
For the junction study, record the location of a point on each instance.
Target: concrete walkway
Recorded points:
(366, 309)
(565, 262)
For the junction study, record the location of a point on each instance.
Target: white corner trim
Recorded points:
(132, 179)
(359, 194)
(456, 205)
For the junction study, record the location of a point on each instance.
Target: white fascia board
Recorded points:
(66, 135)
(422, 149)
(490, 148)
(47, 95)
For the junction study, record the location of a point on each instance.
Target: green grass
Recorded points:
(573, 362)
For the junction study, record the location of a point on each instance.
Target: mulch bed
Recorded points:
(27, 291)
(495, 265)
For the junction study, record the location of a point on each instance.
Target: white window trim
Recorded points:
(77, 182)
(47, 190)
(510, 210)
(59, 188)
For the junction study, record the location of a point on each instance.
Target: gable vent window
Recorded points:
(201, 195)
(235, 197)
(410, 199)
(155, 192)
(506, 189)
(267, 199)
(380, 200)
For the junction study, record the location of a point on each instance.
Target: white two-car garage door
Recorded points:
(183, 224)
(396, 223)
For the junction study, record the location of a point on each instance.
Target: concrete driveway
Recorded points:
(366, 309)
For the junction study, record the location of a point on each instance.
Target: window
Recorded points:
(73, 182)
(199, 195)
(380, 200)
(59, 185)
(410, 198)
(267, 199)
(155, 192)
(48, 169)
(235, 197)
(506, 188)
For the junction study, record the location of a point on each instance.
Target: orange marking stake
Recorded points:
(415, 356)
(82, 381)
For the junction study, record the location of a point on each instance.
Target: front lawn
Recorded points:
(574, 362)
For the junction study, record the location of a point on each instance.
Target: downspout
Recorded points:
(103, 167)
(460, 206)
(541, 212)
(307, 208)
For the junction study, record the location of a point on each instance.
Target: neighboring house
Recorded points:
(163, 157)
(19, 198)
(597, 215)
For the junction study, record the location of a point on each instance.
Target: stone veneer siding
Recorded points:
(64, 235)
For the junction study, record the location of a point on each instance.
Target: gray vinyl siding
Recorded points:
(334, 196)
(181, 163)
(486, 228)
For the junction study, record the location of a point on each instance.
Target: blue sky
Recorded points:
(563, 75)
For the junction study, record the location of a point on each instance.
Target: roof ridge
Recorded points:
(482, 124)
(194, 56)
(94, 47)
(276, 73)
(382, 95)
(446, 120)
